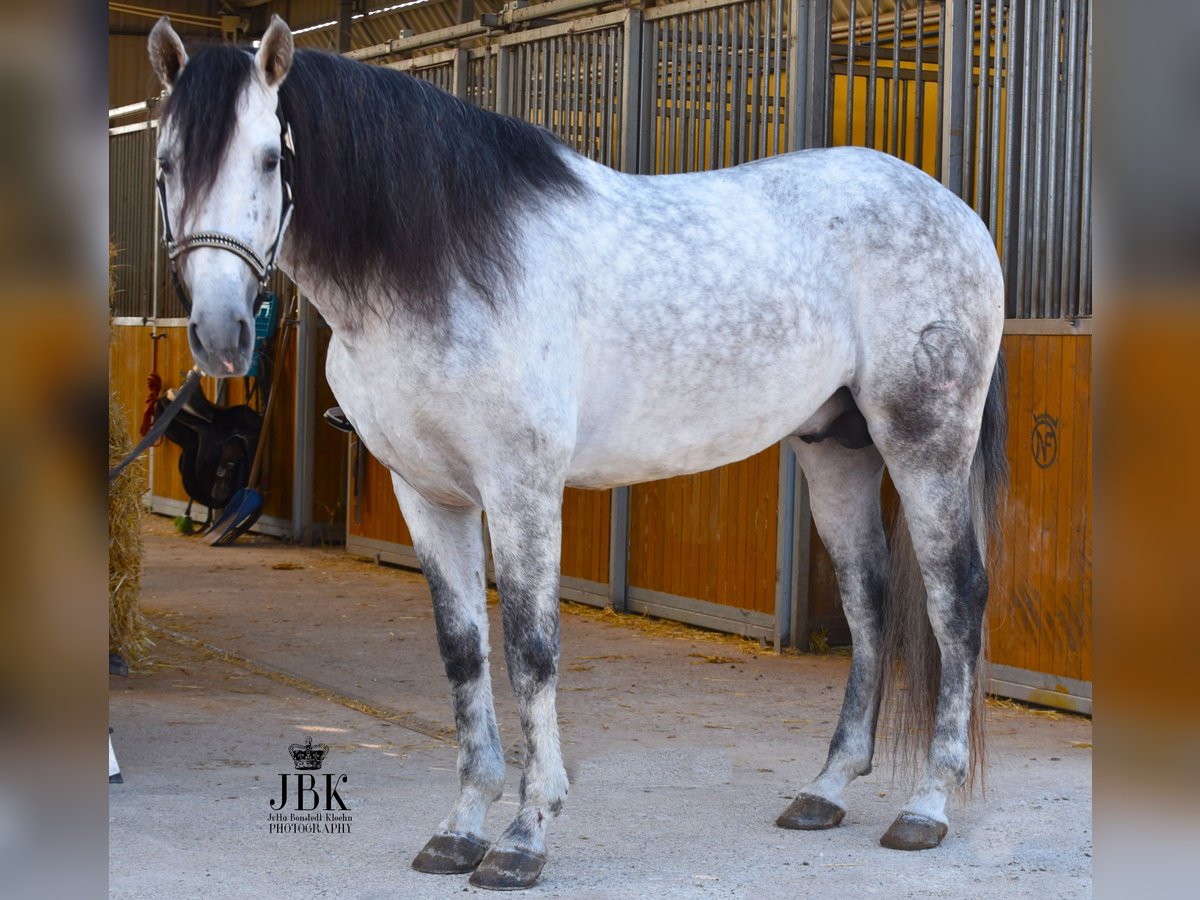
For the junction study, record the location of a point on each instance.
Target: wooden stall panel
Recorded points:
(1041, 600)
(709, 536)
(374, 512)
(585, 540)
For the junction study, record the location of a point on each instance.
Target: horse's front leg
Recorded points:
(450, 545)
(526, 531)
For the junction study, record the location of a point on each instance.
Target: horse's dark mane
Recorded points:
(401, 190)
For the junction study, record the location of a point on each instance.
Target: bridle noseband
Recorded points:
(262, 268)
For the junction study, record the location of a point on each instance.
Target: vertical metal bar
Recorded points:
(801, 563)
(1070, 80)
(903, 154)
(779, 65)
(1037, 197)
(850, 55)
(872, 75)
(919, 90)
(822, 12)
(1052, 136)
(785, 529)
(572, 87)
(966, 36)
(997, 97)
(606, 95)
(939, 147)
(591, 89)
(1085, 192)
(721, 32)
(1070, 288)
(764, 97)
(618, 544)
(646, 57)
(458, 73)
(704, 90)
(741, 122)
(981, 135)
(897, 34)
(631, 92)
(955, 32)
(305, 434)
(798, 119)
(676, 67)
(1026, 61)
(755, 141)
(691, 160)
(504, 62)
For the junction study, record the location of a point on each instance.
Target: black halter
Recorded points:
(262, 268)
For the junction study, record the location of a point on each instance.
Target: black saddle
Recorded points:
(218, 444)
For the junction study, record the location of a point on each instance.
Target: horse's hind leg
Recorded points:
(938, 512)
(525, 523)
(844, 491)
(449, 543)
(928, 431)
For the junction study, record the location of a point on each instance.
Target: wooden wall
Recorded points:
(586, 516)
(710, 536)
(1041, 600)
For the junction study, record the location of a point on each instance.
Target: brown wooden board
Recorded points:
(1041, 598)
(710, 536)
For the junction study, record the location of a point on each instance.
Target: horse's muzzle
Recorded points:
(222, 342)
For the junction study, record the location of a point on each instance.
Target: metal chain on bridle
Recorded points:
(262, 268)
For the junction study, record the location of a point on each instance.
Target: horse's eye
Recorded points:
(164, 165)
(271, 163)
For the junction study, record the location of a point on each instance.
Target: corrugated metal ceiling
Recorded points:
(315, 20)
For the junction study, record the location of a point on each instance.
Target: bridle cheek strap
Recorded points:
(263, 268)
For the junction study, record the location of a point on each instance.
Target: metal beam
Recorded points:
(618, 550)
(958, 34)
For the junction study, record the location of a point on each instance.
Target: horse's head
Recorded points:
(224, 200)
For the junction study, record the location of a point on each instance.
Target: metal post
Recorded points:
(344, 24)
(465, 12)
(799, 58)
(815, 49)
(801, 560)
(503, 80)
(618, 550)
(305, 434)
(785, 545)
(631, 91)
(956, 35)
(459, 74)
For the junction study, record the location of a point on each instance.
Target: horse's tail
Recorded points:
(911, 659)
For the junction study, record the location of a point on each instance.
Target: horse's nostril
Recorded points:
(194, 337)
(245, 336)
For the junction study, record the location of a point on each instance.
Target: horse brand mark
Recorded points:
(1044, 440)
(318, 806)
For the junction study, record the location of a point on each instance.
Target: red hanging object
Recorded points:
(154, 383)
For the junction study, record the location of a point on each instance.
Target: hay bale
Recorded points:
(127, 631)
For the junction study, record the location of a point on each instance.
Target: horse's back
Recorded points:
(718, 311)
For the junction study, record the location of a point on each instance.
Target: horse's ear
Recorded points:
(167, 56)
(274, 56)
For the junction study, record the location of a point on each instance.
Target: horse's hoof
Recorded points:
(508, 870)
(450, 854)
(809, 813)
(913, 832)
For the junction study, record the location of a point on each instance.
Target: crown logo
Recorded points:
(306, 756)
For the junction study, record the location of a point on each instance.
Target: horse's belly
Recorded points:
(650, 427)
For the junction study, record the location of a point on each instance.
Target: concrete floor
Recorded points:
(681, 748)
